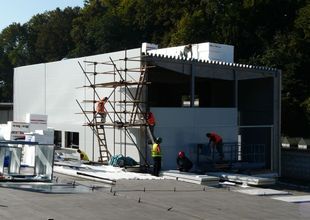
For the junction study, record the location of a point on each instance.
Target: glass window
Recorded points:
(57, 138)
(72, 139)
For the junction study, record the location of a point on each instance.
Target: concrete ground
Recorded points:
(144, 199)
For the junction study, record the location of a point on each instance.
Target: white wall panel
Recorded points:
(29, 91)
(62, 80)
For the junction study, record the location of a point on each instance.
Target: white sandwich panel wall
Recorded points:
(53, 89)
(29, 91)
(62, 81)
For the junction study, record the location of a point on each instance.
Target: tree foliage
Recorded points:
(273, 33)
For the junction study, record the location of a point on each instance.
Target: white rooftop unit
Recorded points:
(203, 51)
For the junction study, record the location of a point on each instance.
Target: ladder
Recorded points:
(131, 116)
(104, 154)
(137, 96)
(136, 109)
(98, 129)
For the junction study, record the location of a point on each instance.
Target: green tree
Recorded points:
(13, 52)
(290, 52)
(49, 35)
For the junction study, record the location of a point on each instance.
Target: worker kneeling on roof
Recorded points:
(83, 155)
(184, 164)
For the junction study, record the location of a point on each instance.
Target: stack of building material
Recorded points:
(202, 51)
(245, 179)
(294, 199)
(106, 174)
(261, 191)
(36, 121)
(14, 130)
(41, 136)
(191, 177)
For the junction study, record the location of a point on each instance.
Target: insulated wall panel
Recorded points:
(62, 81)
(29, 91)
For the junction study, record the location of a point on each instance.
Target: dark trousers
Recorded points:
(219, 148)
(152, 130)
(103, 117)
(157, 166)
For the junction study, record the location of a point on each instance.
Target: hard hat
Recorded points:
(158, 140)
(181, 154)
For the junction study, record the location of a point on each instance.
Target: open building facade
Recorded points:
(190, 94)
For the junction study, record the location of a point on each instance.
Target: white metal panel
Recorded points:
(123, 144)
(29, 91)
(62, 80)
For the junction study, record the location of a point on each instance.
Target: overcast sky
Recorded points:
(20, 11)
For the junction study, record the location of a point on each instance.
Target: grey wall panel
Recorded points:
(184, 128)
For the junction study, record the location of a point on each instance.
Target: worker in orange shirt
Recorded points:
(100, 109)
(151, 122)
(216, 141)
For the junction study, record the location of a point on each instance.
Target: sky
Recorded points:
(21, 11)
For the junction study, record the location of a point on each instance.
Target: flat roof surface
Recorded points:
(144, 199)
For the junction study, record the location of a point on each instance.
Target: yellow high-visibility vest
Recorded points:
(84, 156)
(156, 150)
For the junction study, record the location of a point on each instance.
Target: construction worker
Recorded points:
(156, 155)
(100, 109)
(186, 51)
(216, 141)
(151, 122)
(83, 155)
(184, 164)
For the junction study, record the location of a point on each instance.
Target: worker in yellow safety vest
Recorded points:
(156, 155)
(83, 155)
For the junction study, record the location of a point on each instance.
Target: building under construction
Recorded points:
(191, 90)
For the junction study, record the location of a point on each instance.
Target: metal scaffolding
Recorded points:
(125, 100)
